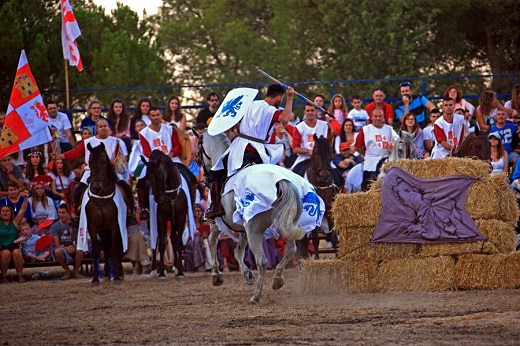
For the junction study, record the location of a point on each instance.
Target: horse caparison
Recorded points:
(102, 212)
(172, 206)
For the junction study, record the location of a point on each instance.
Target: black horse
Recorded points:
(327, 183)
(102, 212)
(172, 205)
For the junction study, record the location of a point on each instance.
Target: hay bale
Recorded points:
(492, 199)
(336, 276)
(354, 245)
(356, 210)
(501, 239)
(513, 270)
(417, 274)
(443, 167)
(483, 272)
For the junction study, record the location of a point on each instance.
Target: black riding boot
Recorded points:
(216, 209)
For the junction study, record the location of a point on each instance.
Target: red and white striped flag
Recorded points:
(26, 124)
(69, 33)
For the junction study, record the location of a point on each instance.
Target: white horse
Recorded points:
(283, 215)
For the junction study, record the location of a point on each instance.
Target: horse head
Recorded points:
(475, 145)
(404, 147)
(320, 159)
(163, 176)
(101, 171)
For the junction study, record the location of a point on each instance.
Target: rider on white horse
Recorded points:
(251, 143)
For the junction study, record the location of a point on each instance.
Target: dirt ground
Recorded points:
(191, 311)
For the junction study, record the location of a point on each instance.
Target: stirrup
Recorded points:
(145, 214)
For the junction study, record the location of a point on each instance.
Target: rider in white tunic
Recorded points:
(449, 130)
(251, 144)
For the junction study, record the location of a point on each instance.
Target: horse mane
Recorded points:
(214, 147)
(94, 162)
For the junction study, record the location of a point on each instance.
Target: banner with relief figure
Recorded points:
(26, 123)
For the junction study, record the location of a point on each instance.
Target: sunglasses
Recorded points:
(404, 84)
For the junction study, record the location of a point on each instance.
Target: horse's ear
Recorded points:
(315, 138)
(89, 147)
(143, 159)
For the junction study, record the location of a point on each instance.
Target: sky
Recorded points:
(136, 5)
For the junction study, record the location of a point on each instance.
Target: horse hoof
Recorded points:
(95, 283)
(217, 280)
(277, 283)
(254, 300)
(117, 282)
(181, 276)
(250, 278)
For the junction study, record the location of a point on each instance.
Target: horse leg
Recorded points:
(239, 255)
(95, 258)
(255, 235)
(107, 246)
(116, 254)
(177, 245)
(213, 240)
(316, 242)
(161, 236)
(290, 249)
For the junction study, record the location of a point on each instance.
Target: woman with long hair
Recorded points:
(35, 166)
(142, 109)
(499, 158)
(514, 103)
(9, 250)
(410, 125)
(42, 206)
(338, 108)
(120, 121)
(487, 110)
(172, 113)
(62, 176)
(347, 134)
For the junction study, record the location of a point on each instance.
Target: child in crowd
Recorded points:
(338, 108)
(28, 241)
(359, 115)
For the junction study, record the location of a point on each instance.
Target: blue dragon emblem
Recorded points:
(311, 204)
(231, 107)
(247, 199)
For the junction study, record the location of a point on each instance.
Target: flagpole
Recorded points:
(67, 84)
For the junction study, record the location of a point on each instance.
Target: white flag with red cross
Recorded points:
(69, 33)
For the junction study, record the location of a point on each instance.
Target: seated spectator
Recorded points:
(60, 126)
(456, 94)
(62, 177)
(15, 199)
(282, 136)
(379, 96)
(359, 115)
(206, 114)
(137, 251)
(226, 248)
(338, 108)
(506, 131)
(194, 254)
(42, 207)
(9, 250)
(65, 239)
(410, 125)
(93, 115)
(499, 160)
(9, 172)
(429, 134)
(345, 161)
(28, 241)
(120, 122)
(347, 134)
(487, 110)
(76, 156)
(35, 166)
(514, 103)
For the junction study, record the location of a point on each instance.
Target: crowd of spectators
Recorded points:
(37, 185)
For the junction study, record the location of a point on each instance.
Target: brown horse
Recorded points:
(475, 145)
(102, 212)
(327, 184)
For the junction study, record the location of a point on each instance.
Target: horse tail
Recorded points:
(287, 211)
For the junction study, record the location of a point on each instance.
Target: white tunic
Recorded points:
(379, 143)
(110, 147)
(453, 133)
(255, 123)
(307, 137)
(158, 140)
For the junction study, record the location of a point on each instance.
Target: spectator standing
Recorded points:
(173, 115)
(338, 108)
(60, 127)
(93, 115)
(206, 114)
(9, 250)
(379, 96)
(487, 110)
(359, 115)
(141, 112)
(410, 104)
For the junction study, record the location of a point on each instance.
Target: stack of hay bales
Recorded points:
(489, 264)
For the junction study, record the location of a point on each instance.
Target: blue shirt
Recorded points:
(91, 124)
(15, 207)
(506, 134)
(417, 107)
